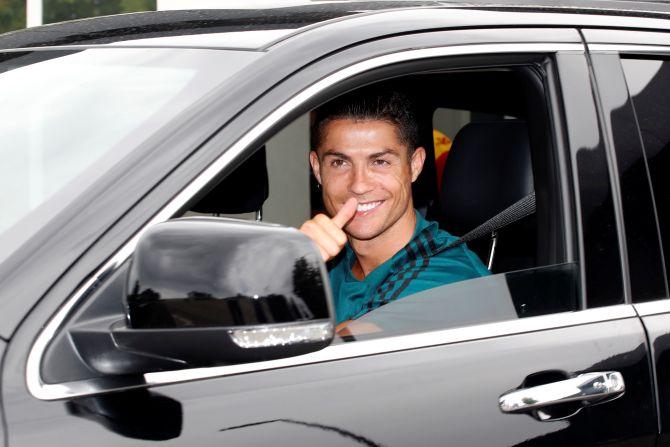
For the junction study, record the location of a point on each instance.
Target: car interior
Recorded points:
(500, 153)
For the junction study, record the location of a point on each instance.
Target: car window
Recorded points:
(68, 116)
(464, 119)
(647, 80)
(502, 297)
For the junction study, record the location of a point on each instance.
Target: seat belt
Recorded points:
(516, 211)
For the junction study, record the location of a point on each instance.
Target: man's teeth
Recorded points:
(362, 207)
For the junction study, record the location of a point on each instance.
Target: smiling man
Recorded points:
(365, 157)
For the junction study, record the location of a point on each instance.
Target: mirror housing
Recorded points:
(213, 272)
(212, 291)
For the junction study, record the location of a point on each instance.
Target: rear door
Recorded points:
(633, 74)
(431, 384)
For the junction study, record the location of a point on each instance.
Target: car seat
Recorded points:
(488, 169)
(244, 190)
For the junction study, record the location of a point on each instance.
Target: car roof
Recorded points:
(239, 27)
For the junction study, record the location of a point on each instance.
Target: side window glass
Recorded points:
(483, 135)
(501, 297)
(647, 81)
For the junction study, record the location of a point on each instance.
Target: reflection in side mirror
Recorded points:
(210, 291)
(207, 272)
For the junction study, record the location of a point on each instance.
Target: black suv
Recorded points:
(153, 287)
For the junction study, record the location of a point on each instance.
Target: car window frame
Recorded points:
(227, 160)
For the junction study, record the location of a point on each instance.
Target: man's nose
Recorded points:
(361, 182)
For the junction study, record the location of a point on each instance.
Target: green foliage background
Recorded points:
(13, 12)
(12, 15)
(60, 10)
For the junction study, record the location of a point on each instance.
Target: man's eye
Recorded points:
(337, 163)
(380, 162)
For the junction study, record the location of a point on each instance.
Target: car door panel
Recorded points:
(429, 396)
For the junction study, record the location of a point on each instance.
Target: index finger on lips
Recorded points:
(345, 213)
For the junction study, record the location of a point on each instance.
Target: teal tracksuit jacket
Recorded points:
(423, 263)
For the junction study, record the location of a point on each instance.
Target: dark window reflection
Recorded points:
(503, 297)
(649, 86)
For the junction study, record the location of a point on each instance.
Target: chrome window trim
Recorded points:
(653, 307)
(628, 48)
(45, 391)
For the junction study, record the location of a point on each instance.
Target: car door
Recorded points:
(509, 381)
(632, 75)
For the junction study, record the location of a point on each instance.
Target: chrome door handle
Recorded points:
(588, 388)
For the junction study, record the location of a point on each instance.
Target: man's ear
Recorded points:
(316, 166)
(416, 162)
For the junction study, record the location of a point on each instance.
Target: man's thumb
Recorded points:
(345, 213)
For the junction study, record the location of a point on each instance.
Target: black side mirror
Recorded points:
(211, 291)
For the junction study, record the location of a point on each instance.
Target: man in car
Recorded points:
(365, 156)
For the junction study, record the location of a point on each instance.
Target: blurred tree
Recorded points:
(60, 10)
(12, 15)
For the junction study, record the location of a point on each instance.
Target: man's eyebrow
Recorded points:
(334, 153)
(387, 151)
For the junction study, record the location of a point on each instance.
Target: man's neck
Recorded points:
(372, 253)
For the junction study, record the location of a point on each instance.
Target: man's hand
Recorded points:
(327, 232)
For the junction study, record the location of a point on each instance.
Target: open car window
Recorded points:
(503, 151)
(487, 134)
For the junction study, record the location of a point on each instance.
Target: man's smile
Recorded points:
(364, 208)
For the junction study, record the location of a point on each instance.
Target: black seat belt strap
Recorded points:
(516, 211)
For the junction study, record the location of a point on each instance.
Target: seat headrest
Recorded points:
(243, 191)
(488, 169)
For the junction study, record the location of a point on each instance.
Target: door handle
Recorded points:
(587, 388)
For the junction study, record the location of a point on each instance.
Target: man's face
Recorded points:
(366, 160)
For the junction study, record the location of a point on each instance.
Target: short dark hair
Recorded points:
(393, 107)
